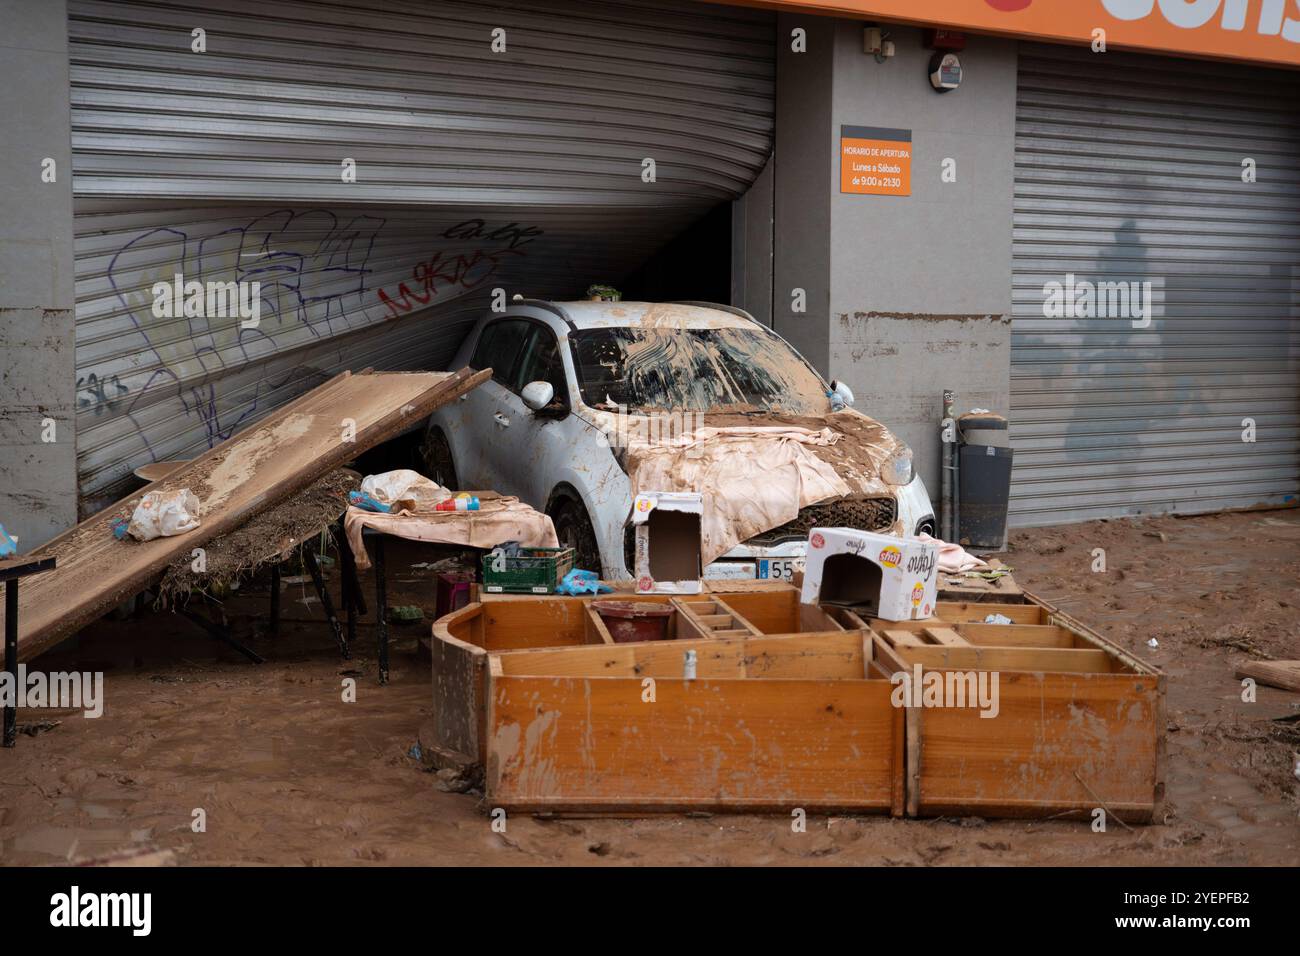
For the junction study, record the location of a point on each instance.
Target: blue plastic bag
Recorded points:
(360, 499)
(8, 546)
(582, 582)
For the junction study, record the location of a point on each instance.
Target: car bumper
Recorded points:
(777, 561)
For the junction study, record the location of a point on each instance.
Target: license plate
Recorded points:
(778, 569)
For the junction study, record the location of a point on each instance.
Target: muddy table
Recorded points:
(269, 540)
(504, 519)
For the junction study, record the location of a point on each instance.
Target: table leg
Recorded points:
(11, 660)
(275, 600)
(381, 611)
(221, 633)
(351, 587)
(309, 559)
(350, 566)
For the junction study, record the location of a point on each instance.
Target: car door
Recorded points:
(478, 466)
(532, 443)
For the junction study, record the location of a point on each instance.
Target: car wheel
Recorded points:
(436, 455)
(573, 528)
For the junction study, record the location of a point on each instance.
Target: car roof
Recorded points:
(673, 315)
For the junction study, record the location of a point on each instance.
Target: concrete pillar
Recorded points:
(912, 293)
(38, 457)
(801, 236)
(751, 248)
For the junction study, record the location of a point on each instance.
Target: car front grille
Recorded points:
(865, 514)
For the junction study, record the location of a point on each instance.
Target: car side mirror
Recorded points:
(841, 396)
(537, 395)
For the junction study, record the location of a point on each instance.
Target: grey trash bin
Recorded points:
(984, 469)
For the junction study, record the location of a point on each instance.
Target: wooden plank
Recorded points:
(1087, 637)
(597, 632)
(770, 611)
(1016, 635)
(595, 743)
(747, 586)
(898, 772)
(953, 611)
(1282, 674)
(887, 659)
(830, 654)
(705, 619)
(814, 618)
(714, 620)
(740, 621)
(1051, 732)
(1056, 659)
(238, 478)
(833, 655)
(458, 670)
(845, 618)
(903, 638)
(535, 623)
(692, 623)
(464, 624)
(946, 636)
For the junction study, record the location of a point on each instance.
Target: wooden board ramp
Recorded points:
(235, 480)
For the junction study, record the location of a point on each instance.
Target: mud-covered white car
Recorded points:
(562, 373)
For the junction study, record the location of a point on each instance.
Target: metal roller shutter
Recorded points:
(1129, 169)
(475, 170)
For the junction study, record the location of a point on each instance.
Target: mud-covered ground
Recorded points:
(286, 772)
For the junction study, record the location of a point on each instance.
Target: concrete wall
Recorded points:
(917, 294)
(37, 338)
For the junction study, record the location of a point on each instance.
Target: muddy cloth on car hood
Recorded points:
(756, 471)
(757, 476)
(863, 446)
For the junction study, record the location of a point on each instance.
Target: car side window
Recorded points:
(498, 349)
(541, 363)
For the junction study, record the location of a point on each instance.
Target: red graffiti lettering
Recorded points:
(441, 271)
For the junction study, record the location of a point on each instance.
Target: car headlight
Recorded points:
(897, 468)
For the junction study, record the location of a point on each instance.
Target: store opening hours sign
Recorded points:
(875, 161)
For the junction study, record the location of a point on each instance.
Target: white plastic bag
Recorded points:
(407, 489)
(161, 514)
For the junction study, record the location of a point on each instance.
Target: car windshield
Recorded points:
(700, 370)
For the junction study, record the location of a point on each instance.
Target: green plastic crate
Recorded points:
(533, 571)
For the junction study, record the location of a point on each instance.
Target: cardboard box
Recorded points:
(668, 557)
(888, 577)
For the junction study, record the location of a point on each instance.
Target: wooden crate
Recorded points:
(792, 706)
(769, 723)
(462, 640)
(1080, 724)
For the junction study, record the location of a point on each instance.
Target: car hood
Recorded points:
(864, 444)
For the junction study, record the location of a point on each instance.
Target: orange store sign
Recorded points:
(1265, 31)
(875, 161)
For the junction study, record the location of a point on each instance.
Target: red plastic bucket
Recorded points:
(631, 621)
